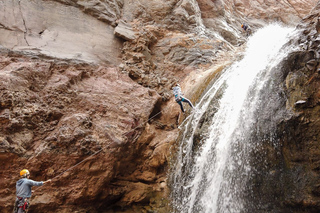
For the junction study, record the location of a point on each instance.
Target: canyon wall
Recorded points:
(86, 91)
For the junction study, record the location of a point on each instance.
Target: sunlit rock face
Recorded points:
(82, 78)
(57, 30)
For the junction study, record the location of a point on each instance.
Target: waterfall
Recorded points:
(237, 113)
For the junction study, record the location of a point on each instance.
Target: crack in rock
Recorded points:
(24, 23)
(5, 27)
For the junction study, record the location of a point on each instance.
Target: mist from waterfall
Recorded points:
(213, 166)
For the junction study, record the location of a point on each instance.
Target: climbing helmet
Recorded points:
(24, 173)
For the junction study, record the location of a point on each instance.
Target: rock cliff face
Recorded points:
(85, 95)
(300, 135)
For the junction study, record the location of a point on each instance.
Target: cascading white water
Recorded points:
(212, 176)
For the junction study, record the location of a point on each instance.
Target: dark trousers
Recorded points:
(184, 100)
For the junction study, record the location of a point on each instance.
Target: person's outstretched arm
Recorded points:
(47, 181)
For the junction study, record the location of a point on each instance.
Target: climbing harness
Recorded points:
(21, 203)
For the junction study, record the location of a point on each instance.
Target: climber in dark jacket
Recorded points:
(246, 28)
(23, 187)
(179, 98)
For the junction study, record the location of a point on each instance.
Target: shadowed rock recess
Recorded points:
(85, 97)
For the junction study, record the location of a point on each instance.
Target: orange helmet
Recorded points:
(24, 173)
(242, 26)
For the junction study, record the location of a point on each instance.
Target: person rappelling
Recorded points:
(246, 29)
(179, 98)
(23, 191)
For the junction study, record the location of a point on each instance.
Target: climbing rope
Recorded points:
(97, 152)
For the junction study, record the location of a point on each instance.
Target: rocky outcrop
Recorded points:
(54, 114)
(300, 137)
(85, 92)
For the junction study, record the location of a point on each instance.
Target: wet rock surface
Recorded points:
(300, 136)
(87, 83)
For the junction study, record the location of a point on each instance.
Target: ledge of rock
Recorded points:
(124, 31)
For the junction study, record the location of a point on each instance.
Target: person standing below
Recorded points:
(23, 187)
(179, 98)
